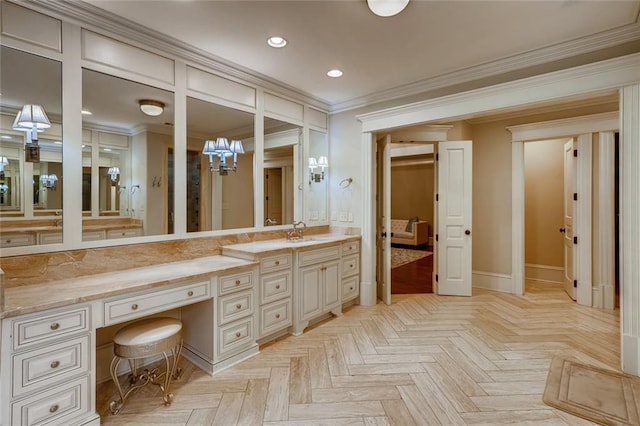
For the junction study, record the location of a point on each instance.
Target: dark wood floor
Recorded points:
(414, 277)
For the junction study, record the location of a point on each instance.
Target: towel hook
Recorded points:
(345, 183)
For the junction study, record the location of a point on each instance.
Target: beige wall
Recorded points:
(543, 201)
(237, 195)
(412, 192)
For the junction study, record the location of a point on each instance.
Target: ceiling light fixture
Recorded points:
(277, 42)
(386, 8)
(152, 108)
(334, 73)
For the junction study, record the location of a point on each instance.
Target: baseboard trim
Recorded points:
(492, 281)
(544, 273)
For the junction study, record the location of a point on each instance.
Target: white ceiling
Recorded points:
(428, 40)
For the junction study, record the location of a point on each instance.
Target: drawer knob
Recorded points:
(54, 408)
(55, 364)
(351, 266)
(8, 241)
(277, 262)
(134, 306)
(190, 293)
(123, 234)
(277, 316)
(350, 288)
(237, 282)
(238, 334)
(277, 286)
(55, 326)
(238, 306)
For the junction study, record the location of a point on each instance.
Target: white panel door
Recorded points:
(454, 218)
(383, 226)
(570, 187)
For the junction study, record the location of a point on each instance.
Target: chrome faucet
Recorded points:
(270, 221)
(296, 233)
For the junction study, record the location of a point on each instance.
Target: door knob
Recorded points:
(562, 230)
(467, 232)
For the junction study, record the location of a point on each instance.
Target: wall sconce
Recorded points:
(322, 163)
(3, 162)
(114, 172)
(32, 119)
(222, 149)
(49, 181)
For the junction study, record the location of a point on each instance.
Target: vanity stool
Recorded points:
(143, 339)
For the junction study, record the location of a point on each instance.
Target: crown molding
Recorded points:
(82, 14)
(588, 44)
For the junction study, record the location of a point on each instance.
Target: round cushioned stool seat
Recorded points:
(147, 337)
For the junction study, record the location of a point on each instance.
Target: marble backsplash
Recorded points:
(46, 267)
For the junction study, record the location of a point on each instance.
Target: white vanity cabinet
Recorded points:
(232, 311)
(276, 282)
(47, 368)
(350, 270)
(318, 286)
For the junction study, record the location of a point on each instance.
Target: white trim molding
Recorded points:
(604, 285)
(491, 281)
(608, 121)
(630, 228)
(544, 273)
(368, 289)
(582, 221)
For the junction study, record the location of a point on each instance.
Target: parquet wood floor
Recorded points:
(424, 360)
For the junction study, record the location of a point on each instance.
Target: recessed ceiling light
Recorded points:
(107, 149)
(334, 73)
(277, 42)
(152, 108)
(86, 112)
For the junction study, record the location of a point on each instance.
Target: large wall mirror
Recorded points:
(318, 169)
(282, 146)
(30, 186)
(220, 165)
(127, 158)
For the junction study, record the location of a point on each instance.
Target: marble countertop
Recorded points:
(38, 297)
(270, 247)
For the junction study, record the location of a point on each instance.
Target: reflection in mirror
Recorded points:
(219, 167)
(127, 201)
(30, 188)
(281, 159)
(86, 180)
(318, 167)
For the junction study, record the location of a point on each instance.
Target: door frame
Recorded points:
(582, 127)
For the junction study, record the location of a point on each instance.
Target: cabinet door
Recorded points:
(310, 292)
(332, 290)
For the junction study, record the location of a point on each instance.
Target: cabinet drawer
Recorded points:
(318, 255)
(275, 286)
(124, 233)
(275, 263)
(235, 306)
(144, 304)
(50, 238)
(236, 282)
(350, 247)
(93, 235)
(350, 288)
(275, 316)
(56, 406)
(17, 239)
(43, 328)
(350, 265)
(235, 337)
(51, 364)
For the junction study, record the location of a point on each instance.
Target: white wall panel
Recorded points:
(112, 139)
(112, 53)
(283, 107)
(31, 27)
(213, 85)
(316, 118)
